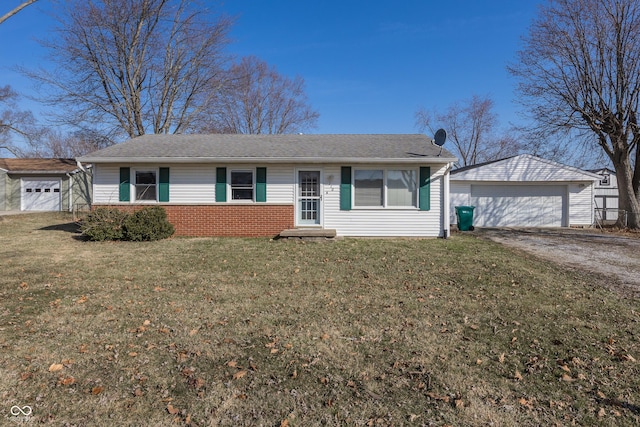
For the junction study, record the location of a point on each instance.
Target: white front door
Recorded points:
(309, 198)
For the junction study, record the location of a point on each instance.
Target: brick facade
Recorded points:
(227, 220)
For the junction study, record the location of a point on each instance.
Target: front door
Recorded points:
(309, 198)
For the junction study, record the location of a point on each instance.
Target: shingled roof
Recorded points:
(38, 166)
(237, 148)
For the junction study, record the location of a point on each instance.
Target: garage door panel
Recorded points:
(518, 205)
(40, 194)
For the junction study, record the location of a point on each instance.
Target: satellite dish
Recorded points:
(440, 137)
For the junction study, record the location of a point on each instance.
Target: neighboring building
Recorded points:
(525, 191)
(43, 185)
(262, 185)
(606, 195)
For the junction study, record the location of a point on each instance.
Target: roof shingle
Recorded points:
(272, 148)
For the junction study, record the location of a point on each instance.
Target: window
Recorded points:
(241, 185)
(605, 179)
(402, 188)
(385, 188)
(146, 185)
(368, 188)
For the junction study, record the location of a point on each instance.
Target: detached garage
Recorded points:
(524, 191)
(43, 185)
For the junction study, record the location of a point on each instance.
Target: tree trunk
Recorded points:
(627, 197)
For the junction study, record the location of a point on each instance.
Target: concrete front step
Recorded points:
(302, 233)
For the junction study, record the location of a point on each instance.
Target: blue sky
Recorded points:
(368, 65)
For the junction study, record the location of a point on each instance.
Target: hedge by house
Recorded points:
(149, 223)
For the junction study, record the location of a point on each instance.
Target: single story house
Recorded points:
(262, 185)
(525, 191)
(606, 195)
(43, 185)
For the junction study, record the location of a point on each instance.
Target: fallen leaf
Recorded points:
(602, 413)
(146, 322)
(82, 299)
(518, 375)
(567, 378)
(66, 380)
(138, 392)
(133, 354)
(97, 390)
(459, 403)
(232, 364)
(284, 423)
(239, 374)
(83, 348)
(24, 285)
(628, 358)
(501, 358)
(325, 337)
(565, 368)
(193, 332)
(171, 409)
(274, 350)
(56, 367)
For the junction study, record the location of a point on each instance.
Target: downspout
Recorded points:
(70, 192)
(446, 221)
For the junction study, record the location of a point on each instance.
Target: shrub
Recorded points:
(149, 223)
(104, 224)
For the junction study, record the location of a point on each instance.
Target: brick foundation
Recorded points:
(224, 220)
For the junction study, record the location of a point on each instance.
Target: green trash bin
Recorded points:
(465, 217)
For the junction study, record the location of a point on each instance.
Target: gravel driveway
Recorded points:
(602, 252)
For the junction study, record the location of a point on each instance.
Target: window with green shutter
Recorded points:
(424, 193)
(221, 184)
(124, 189)
(163, 185)
(345, 188)
(261, 184)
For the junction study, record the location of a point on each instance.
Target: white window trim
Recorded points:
(134, 182)
(230, 185)
(385, 197)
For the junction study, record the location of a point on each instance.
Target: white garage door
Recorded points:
(519, 205)
(40, 194)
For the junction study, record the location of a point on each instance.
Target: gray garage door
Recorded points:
(40, 194)
(519, 205)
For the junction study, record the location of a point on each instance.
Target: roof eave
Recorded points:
(267, 160)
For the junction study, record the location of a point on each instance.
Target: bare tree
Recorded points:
(15, 124)
(16, 10)
(57, 144)
(579, 75)
(471, 126)
(135, 66)
(259, 100)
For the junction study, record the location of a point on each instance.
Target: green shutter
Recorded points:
(424, 194)
(261, 184)
(125, 188)
(345, 188)
(163, 185)
(221, 184)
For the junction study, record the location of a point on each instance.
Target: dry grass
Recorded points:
(356, 332)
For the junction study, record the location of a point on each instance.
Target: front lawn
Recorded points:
(208, 332)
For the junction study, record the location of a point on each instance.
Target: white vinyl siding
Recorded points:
(195, 184)
(388, 222)
(581, 209)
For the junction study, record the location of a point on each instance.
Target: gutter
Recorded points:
(267, 160)
(446, 221)
(70, 192)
